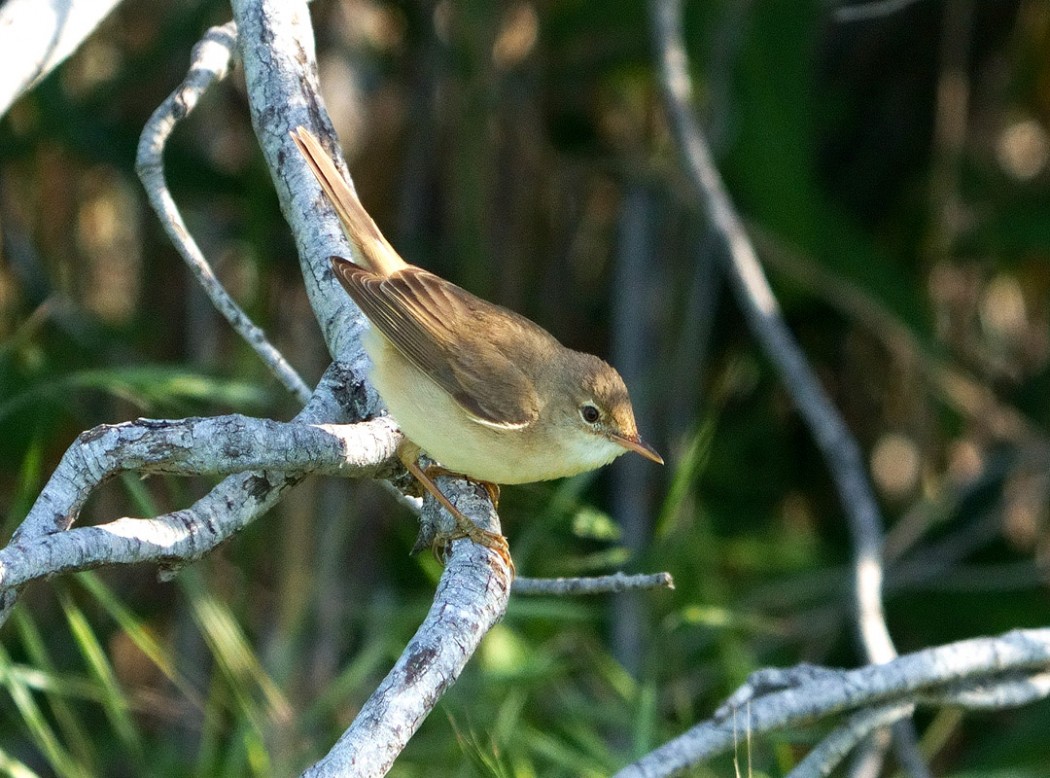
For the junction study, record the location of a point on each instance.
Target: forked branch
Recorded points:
(982, 673)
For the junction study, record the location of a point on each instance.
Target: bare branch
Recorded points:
(36, 37)
(1004, 691)
(934, 674)
(760, 307)
(471, 597)
(600, 584)
(827, 755)
(1009, 690)
(218, 446)
(228, 444)
(42, 543)
(209, 62)
(172, 539)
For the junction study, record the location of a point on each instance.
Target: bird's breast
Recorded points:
(435, 422)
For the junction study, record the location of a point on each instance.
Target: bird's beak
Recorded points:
(639, 446)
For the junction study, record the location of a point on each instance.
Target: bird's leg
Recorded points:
(434, 471)
(465, 528)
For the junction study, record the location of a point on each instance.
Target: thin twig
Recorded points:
(838, 446)
(600, 584)
(826, 756)
(209, 63)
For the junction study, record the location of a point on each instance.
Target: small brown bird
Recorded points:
(487, 393)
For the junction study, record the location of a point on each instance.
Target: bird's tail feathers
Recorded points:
(374, 249)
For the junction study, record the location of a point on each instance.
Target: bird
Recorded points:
(483, 391)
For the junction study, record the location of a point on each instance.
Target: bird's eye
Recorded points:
(589, 413)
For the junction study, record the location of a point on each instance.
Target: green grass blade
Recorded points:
(114, 701)
(213, 734)
(234, 655)
(40, 731)
(56, 690)
(30, 481)
(12, 768)
(140, 635)
(144, 386)
(690, 465)
(365, 664)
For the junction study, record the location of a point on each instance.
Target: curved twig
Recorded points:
(43, 542)
(826, 756)
(762, 312)
(218, 445)
(209, 63)
(837, 445)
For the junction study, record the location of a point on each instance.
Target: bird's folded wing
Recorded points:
(425, 317)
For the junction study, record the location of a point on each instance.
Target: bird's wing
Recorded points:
(421, 315)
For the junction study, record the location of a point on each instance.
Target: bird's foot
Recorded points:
(465, 528)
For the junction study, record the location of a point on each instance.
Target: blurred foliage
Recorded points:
(895, 175)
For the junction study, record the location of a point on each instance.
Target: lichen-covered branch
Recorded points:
(878, 694)
(280, 452)
(44, 544)
(220, 445)
(471, 597)
(277, 50)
